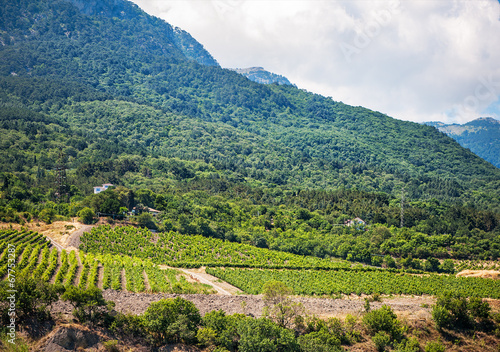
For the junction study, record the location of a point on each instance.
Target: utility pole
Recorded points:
(402, 206)
(61, 177)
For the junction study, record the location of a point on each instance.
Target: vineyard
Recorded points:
(36, 257)
(127, 258)
(323, 282)
(193, 250)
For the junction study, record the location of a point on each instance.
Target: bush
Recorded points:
(319, 341)
(225, 329)
(146, 220)
(86, 216)
(262, 334)
(47, 215)
(381, 340)
(454, 310)
(172, 320)
(111, 346)
(383, 319)
(89, 305)
(479, 309)
(408, 345)
(434, 346)
(33, 297)
(441, 317)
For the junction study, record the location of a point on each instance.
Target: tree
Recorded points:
(172, 320)
(86, 216)
(47, 215)
(146, 220)
(279, 306)
(89, 305)
(448, 266)
(275, 292)
(33, 297)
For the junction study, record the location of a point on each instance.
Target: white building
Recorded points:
(104, 187)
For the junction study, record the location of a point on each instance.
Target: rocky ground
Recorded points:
(413, 308)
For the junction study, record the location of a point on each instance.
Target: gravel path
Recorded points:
(74, 238)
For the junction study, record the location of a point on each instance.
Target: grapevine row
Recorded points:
(322, 282)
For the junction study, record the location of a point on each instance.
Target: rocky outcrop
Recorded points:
(70, 338)
(259, 75)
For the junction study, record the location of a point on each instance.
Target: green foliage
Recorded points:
(384, 320)
(86, 215)
(275, 292)
(319, 341)
(32, 299)
(146, 220)
(454, 310)
(434, 346)
(111, 345)
(47, 215)
(381, 340)
(264, 335)
(220, 330)
(441, 316)
(278, 305)
(172, 320)
(89, 304)
(356, 281)
(128, 109)
(187, 250)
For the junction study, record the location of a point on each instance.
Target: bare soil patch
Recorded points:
(487, 274)
(222, 287)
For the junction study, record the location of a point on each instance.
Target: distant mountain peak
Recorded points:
(485, 119)
(481, 136)
(125, 9)
(259, 75)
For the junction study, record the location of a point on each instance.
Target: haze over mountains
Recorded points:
(122, 93)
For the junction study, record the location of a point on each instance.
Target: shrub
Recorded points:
(434, 346)
(454, 310)
(383, 319)
(408, 345)
(172, 320)
(47, 215)
(441, 316)
(479, 309)
(89, 305)
(262, 334)
(319, 341)
(381, 340)
(86, 216)
(111, 346)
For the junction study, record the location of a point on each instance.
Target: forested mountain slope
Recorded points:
(121, 93)
(481, 136)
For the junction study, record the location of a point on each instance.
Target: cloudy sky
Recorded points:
(416, 60)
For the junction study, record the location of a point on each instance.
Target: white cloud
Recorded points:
(412, 59)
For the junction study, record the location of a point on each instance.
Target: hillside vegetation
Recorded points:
(113, 84)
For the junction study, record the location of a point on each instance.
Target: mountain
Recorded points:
(481, 136)
(119, 96)
(259, 75)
